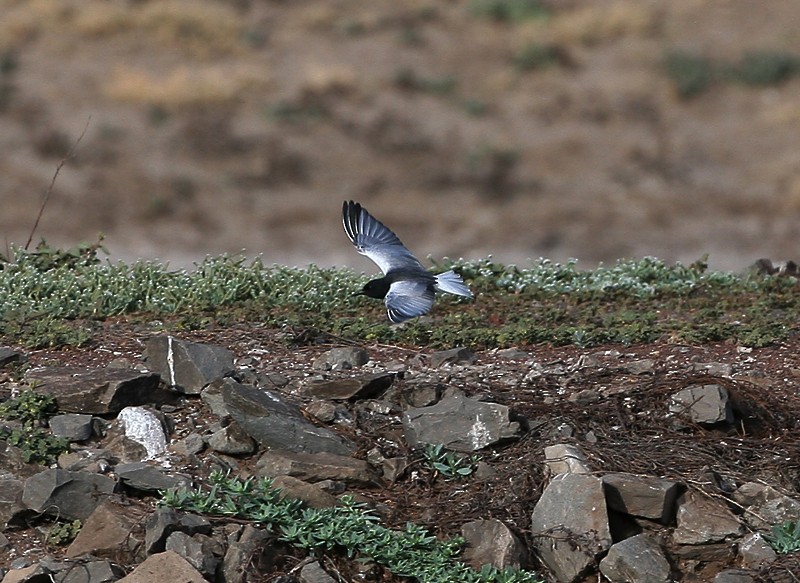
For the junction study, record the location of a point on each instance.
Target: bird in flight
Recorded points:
(407, 288)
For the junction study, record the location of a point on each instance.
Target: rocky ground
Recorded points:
(662, 462)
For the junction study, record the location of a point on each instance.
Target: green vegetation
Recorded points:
(509, 11)
(31, 410)
(410, 80)
(785, 538)
(54, 297)
(62, 533)
(449, 464)
(693, 74)
(538, 56)
(348, 528)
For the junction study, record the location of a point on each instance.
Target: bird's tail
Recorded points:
(451, 282)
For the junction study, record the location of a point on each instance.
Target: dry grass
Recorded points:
(594, 25)
(183, 86)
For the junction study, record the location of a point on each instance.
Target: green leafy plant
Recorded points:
(348, 527)
(62, 533)
(692, 74)
(450, 465)
(509, 11)
(785, 538)
(30, 410)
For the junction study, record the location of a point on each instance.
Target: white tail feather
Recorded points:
(451, 282)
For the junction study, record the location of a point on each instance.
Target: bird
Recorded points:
(407, 288)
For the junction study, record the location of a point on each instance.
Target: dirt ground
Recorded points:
(215, 126)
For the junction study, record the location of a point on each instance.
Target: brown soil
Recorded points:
(221, 125)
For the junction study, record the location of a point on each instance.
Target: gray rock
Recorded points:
(240, 553)
(702, 520)
(570, 525)
(637, 367)
(110, 528)
(276, 424)
(324, 411)
(11, 356)
(717, 369)
(144, 427)
(459, 423)
(638, 559)
(453, 356)
(313, 467)
(365, 387)
(513, 354)
(755, 551)
(212, 397)
(98, 461)
(232, 440)
(98, 390)
(201, 551)
(314, 573)
(490, 542)
(564, 458)
(734, 576)
(10, 499)
(68, 495)
(647, 497)
(341, 358)
(28, 574)
(164, 521)
(166, 566)
(72, 426)
(312, 495)
(104, 571)
(187, 366)
(703, 404)
(190, 445)
(148, 478)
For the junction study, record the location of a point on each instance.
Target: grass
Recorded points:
(57, 297)
(347, 529)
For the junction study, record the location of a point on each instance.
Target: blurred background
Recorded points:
(518, 128)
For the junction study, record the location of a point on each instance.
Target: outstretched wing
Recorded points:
(408, 299)
(375, 240)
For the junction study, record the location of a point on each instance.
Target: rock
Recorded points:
(11, 356)
(755, 551)
(271, 421)
(341, 358)
(108, 529)
(72, 426)
(765, 505)
(312, 495)
(637, 559)
(647, 497)
(98, 390)
(637, 367)
(232, 440)
(241, 553)
(564, 458)
(187, 366)
(324, 411)
(166, 566)
(313, 467)
(570, 525)
(13, 472)
(734, 576)
(716, 369)
(702, 520)
(459, 423)
(314, 573)
(190, 445)
(98, 461)
(144, 427)
(68, 495)
(393, 468)
(365, 387)
(28, 574)
(164, 521)
(212, 397)
(148, 478)
(703, 404)
(200, 551)
(104, 571)
(453, 356)
(513, 354)
(490, 542)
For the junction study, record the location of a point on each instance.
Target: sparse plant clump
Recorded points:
(785, 538)
(348, 528)
(450, 465)
(30, 410)
(62, 533)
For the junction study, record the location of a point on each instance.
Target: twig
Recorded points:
(70, 153)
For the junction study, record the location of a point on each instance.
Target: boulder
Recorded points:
(187, 366)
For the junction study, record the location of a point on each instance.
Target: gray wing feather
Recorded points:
(375, 240)
(408, 299)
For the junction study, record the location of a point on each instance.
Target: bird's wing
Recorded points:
(408, 299)
(375, 240)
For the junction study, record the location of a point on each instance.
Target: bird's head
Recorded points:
(377, 288)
